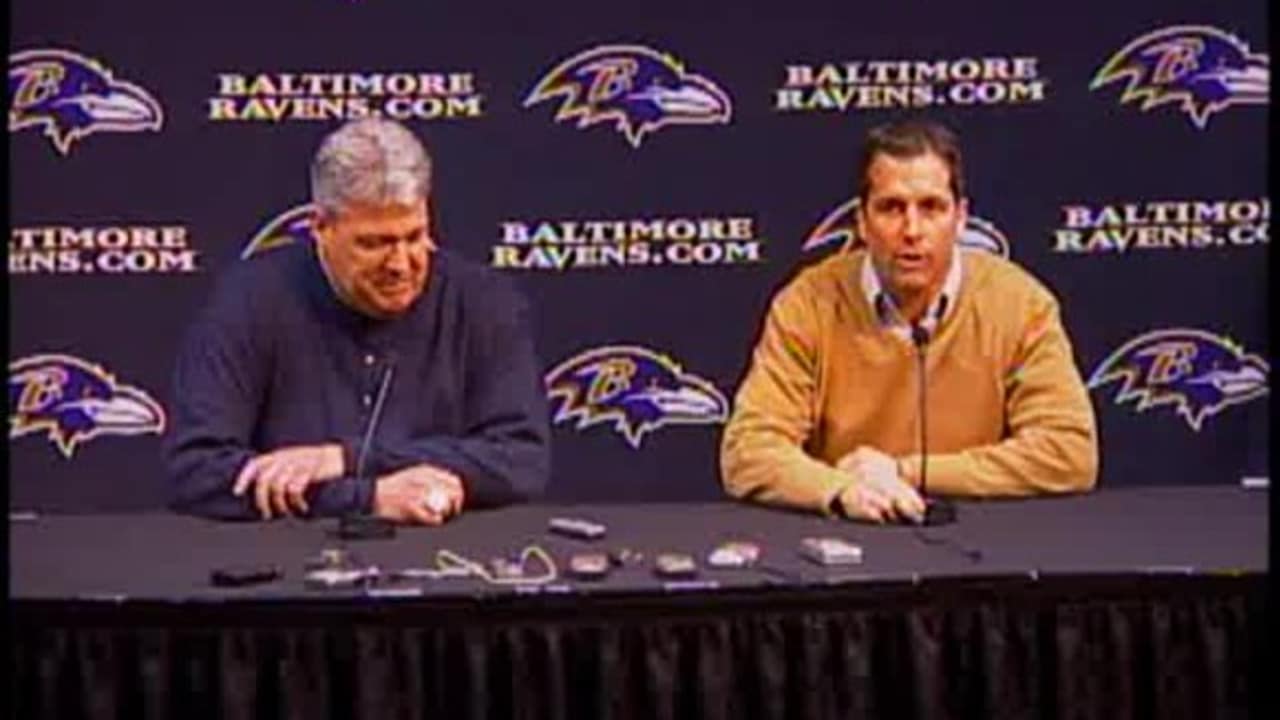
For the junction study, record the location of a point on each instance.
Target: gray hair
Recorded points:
(370, 160)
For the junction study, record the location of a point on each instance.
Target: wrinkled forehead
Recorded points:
(909, 176)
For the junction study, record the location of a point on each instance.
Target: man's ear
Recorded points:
(962, 215)
(320, 221)
(859, 221)
(321, 228)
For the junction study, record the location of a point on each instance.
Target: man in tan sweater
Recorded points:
(826, 418)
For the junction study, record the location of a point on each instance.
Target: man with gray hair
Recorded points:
(372, 330)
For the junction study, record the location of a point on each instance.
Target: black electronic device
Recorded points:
(243, 575)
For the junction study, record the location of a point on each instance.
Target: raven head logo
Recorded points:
(636, 88)
(73, 401)
(1201, 67)
(635, 389)
(70, 96)
(840, 227)
(1196, 372)
(292, 225)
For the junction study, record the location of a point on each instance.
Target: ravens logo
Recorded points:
(73, 401)
(1196, 373)
(1201, 68)
(634, 388)
(636, 88)
(70, 96)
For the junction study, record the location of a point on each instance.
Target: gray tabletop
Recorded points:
(165, 557)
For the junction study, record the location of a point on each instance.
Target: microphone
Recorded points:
(360, 526)
(937, 511)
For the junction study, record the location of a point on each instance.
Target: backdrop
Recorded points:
(649, 174)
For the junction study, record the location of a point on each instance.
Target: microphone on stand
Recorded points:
(937, 511)
(361, 526)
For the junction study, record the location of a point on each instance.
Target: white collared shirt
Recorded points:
(886, 310)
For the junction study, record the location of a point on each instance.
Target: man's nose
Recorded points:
(398, 257)
(914, 225)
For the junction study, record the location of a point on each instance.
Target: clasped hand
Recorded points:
(418, 494)
(280, 478)
(877, 493)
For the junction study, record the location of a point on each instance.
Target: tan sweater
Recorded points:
(1008, 412)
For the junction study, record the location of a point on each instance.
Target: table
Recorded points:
(1120, 603)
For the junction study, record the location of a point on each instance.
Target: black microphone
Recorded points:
(937, 511)
(361, 526)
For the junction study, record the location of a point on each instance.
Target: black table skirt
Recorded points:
(1069, 647)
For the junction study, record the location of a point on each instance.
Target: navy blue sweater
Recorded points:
(276, 359)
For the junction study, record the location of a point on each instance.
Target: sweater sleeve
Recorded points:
(220, 382)
(1051, 443)
(503, 454)
(762, 455)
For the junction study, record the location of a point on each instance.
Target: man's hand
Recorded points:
(280, 478)
(418, 494)
(877, 492)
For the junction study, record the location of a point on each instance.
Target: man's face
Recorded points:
(910, 221)
(377, 256)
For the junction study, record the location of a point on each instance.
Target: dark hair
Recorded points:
(907, 139)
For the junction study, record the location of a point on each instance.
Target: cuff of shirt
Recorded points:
(947, 473)
(834, 507)
(477, 487)
(342, 496)
(834, 483)
(350, 454)
(909, 470)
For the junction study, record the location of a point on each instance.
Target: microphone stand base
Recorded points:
(365, 527)
(939, 511)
